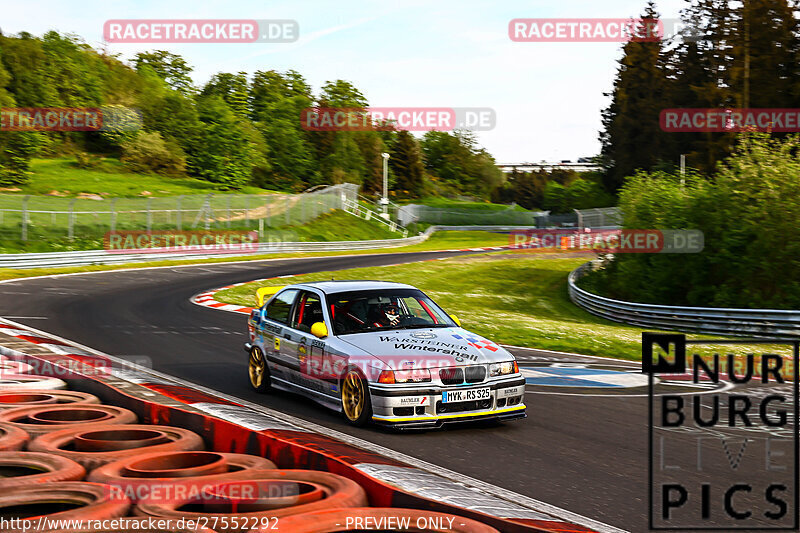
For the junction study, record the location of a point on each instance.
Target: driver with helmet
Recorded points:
(388, 315)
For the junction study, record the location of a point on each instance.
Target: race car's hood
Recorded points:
(429, 348)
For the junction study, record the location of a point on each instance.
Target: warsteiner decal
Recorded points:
(455, 346)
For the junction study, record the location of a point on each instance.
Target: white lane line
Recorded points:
(28, 317)
(488, 488)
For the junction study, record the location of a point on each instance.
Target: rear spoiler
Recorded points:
(263, 292)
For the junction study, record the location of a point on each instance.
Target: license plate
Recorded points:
(467, 395)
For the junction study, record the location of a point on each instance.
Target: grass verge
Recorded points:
(110, 178)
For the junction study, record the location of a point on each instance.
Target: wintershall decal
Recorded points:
(726, 459)
(609, 241)
(181, 241)
(730, 120)
(446, 351)
(459, 351)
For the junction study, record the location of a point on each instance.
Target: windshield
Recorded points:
(360, 311)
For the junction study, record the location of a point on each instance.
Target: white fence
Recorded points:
(91, 216)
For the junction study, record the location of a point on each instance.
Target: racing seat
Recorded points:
(311, 314)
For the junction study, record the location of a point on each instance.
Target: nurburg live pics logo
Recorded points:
(723, 433)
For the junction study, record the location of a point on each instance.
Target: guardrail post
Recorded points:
(113, 215)
(266, 211)
(24, 235)
(178, 221)
(71, 223)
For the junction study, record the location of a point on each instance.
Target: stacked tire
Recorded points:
(66, 456)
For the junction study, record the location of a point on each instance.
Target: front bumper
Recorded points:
(411, 407)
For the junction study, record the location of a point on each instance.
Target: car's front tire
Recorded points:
(258, 370)
(355, 397)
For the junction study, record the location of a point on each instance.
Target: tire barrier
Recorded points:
(375, 518)
(11, 367)
(38, 420)
(94, 446)
(67, 500)
(226, 427)
(21, 469)
(187, 473)
(22, 382)
(234, 505)
(12, 438)
(25, 398)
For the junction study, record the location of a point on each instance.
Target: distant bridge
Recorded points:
(548, 166)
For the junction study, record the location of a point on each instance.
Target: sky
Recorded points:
(408, 53)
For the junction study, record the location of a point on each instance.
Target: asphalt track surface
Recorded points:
(582, 449)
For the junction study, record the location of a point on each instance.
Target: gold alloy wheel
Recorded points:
(256, 368)
(353, 396)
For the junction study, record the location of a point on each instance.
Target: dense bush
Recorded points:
(16, 149)
(748, 213)
(580, 194)
(149, 152)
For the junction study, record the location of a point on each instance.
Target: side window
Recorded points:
(307, 311)
(280, 307)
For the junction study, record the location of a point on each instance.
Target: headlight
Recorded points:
(405, 376)
(500, 369)
(412, 376)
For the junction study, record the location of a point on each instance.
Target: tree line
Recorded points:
(235, 130)
(741, 54)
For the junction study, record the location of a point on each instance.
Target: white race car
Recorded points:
(381, 352)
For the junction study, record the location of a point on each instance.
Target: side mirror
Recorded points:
(456, 320)
(319, 330)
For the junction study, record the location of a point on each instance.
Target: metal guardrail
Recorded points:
(104, 257)
(772, 323)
